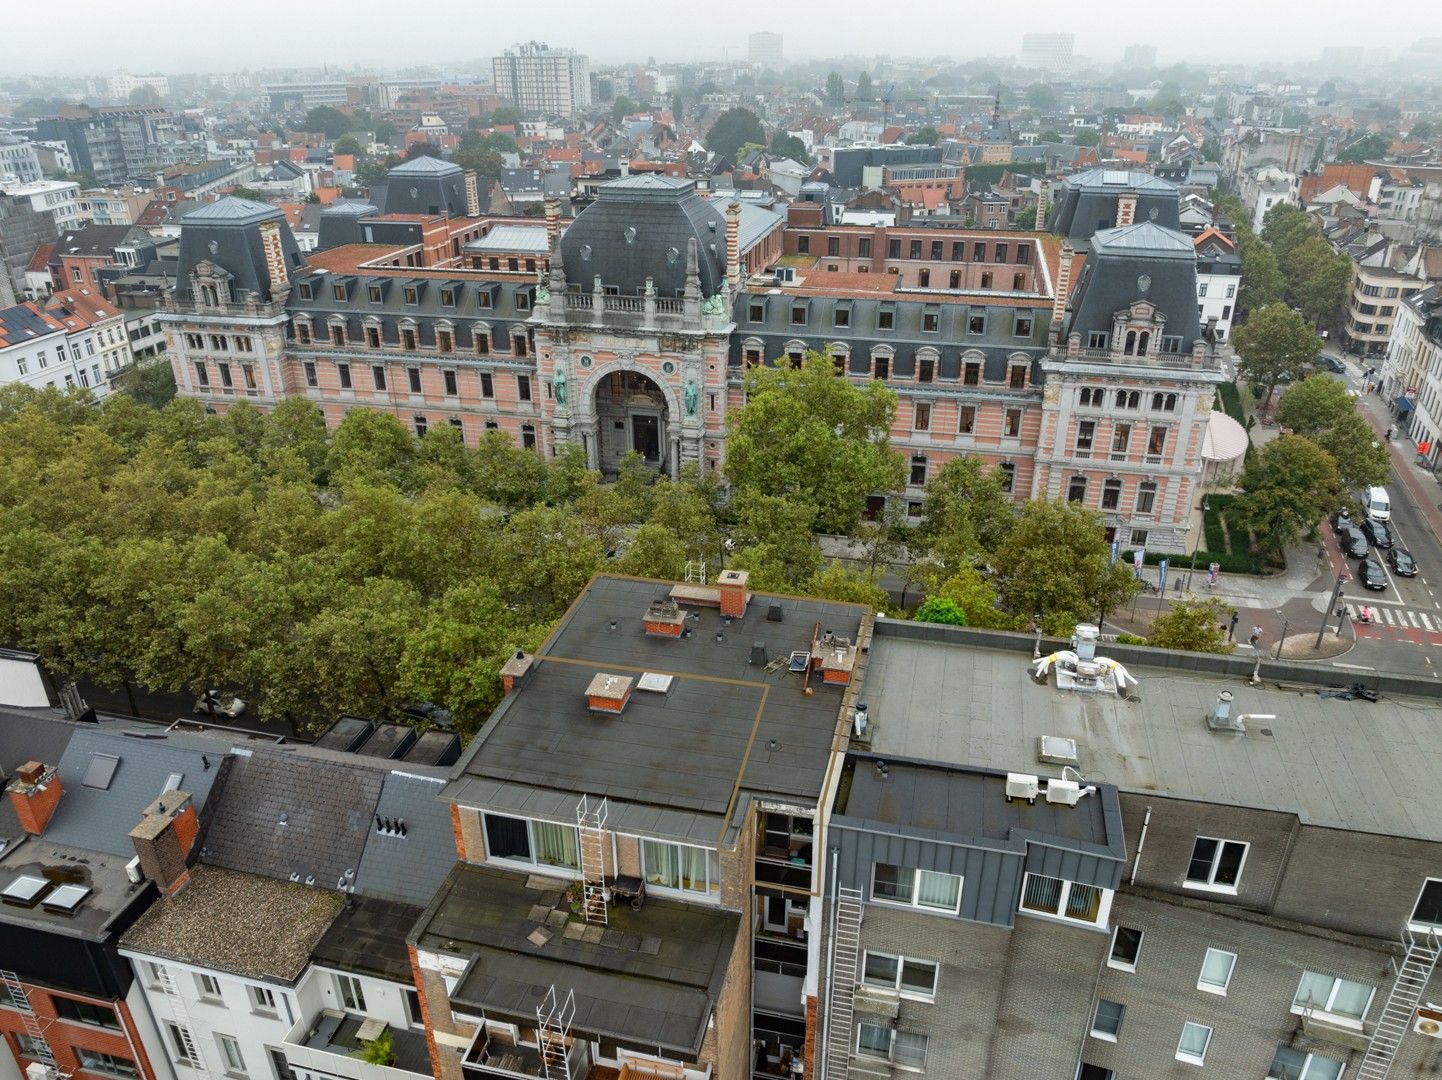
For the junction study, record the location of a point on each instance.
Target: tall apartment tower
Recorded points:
(764, 48)
(538, 79)
(1051, 53)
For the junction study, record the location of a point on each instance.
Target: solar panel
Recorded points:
(101, 771)
(66, 898)
(25, 889)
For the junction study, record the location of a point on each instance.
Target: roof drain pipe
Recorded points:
(823, 999)
(1141, 843)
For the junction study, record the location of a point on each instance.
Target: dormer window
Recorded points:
(412, 296)
(305, 291)
(338, 291)
(448, 297)
(373, 294)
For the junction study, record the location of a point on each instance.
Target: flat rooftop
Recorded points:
(33, 873)
(1343, 764)
(725, 726)
(650, 977)
(969, 803)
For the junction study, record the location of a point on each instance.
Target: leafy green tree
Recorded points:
(1056, 563)
(370, 444)
(1317, 280)
(384, 131)
(774, 541)
(790, 146)
(1274, 343)
(541, 560)
(927, 135)
(1362, 460)
(812, 437)
(327, 119)
(973, 592)
(1286, 489)
(1026, 220)
(1422, 129)
(150, 381)
(965, 514)
(1315, 405)
(145, 95)
(1191, 626)
(864, 90)
(733, 129)
(1370, 147)
(422, 149)
(348, 144)
(835, 89)
(654, 552)
(621, 108)
(1087, 137)
(506, 474)
(938, 609)
(481, 158)
(1284, 227)
(1262, 281)
(1041, 97)
(836, 581)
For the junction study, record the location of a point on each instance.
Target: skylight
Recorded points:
(101, 771)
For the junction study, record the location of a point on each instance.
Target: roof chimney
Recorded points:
(516, 670)
(473, 194)
(1126, 209)
(733, 244)
(34, 793)
(553, 223)
(609, 693)
(835, 657)
(664, 619)
(274, 257)
(164, 838)
(1063, 287)
(1042, 200)
(734, 594)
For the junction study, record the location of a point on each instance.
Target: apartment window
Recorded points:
(456, 422)
(913, 249)
(918, 470)
(1289, 1064)
(194, 341)
(1216, 864)
(678, 866)
(1339, 998)
(202, 374)
(411, 295)
(21, 365)
(1216, 971)
(450, 381)
(84, 379)
(408, 339)
(803, 245)
(525, 840)
(1126, 948)
(978, 252)
(1085, 433)
(1164, 402)
(841, 316)
(976, 323)
(230, 1053)
(338, 292)
(1021, 327)
(756, 312)
(1111, 494)
(1016, 377)
(893, 248)
(305, 291)
(262, 998)
(82, 1012)
(923, 278)
(518, 344)
(1097, 339)
(1011, 426)
(491, 425)
(954, 280)
(1000, 254)
(966, 422)
(1139, 538)
(180, 1043)
(921, 416)
(1121, 436)
(209, 985)
(225, 377)
(219, 343)
(373, 293)
(523, 301)
(986, 276)
(1067, 899)
(1023, 254)
(247, 371)
(916, 888)
(352, 995)
(1006, 472)
(798, 314)
(414, 1016)
(863, 248)
(833, 245)
(1107, 1019)
(378, 376)
(448, 296)
(925, 369)
(1427, 911)
(885, 319)
(343, 372)
(971, 373)
(302, 333)
(1231, 291)
(528, 437)
(337, 335)
(930, 322)
(421, 424)
(523, 387)
(1076, 490)
(445, 341)
(481, 339)
(901, 1048)
(1192, 1046)
(413, 377)
(1128, 399)
(916, 978)
(1202, 288)
(95, 1061)
(1156, 443)
(936, 246)
(881, 367)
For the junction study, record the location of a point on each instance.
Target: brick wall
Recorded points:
(66, 1037)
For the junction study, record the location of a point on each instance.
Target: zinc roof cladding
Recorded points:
(283, 812)
(24, 323)
(663, 997)
(1145, 238)
(693, 749)
(100, 819)
(245, 924)
(408, 868)
(1111, 281)
(232, 210)
(528, 238)
(1342, 764)
(93, 241)
(425, 165)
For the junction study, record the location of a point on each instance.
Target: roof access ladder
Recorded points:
(184, 1026)
(553, 1033)
(841, 983)
(1401, 1006)
(34, 1029)
(591, 825)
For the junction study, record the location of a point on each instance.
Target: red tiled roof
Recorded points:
(41, 259)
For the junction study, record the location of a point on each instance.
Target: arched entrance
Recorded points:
(631, 415)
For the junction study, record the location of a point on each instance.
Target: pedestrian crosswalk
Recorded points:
(1400, 618)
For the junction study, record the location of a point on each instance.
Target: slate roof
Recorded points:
(232, 209)
(1145, 237)
(410, 867)
(530, 238)
(426, 165)
(225, 233)
(245, 924)
(93, 241)
(284, 812)
(1112, 279)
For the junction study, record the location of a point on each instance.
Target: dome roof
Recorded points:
(1224, 440)
(233, 210)
(425, 165)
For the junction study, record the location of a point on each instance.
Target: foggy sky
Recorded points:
(97, 37)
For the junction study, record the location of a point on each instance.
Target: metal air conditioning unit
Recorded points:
(1428, 1022)
(1066, 792)
(1022, 786)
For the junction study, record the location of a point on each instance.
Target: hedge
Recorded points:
(1230, 562)
(1231, 402)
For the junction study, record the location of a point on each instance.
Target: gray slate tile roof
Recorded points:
(410, 867)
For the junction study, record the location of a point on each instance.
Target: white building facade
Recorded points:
(19, 159)
(58, 198)
(539, 79)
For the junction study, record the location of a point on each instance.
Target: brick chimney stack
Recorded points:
(553, 223)
(734, 593)
(516, 671)
(1126, 209)
(164, 838)
(1063, 286)
(1043, 204)
(274, 257)
(34, 794)
(473, 194)
(733, 244)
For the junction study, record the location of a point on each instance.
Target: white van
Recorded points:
(1378, 505)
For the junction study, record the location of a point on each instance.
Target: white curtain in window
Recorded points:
(938, 890)
(555, 845)
(676, 866)
(1351, 999)
(1217, 967)
(910, 1049)
(1313, 991)
(1194, 1040)
(874, 1039)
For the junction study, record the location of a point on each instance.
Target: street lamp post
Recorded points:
(1342, 579)
(1197, 543)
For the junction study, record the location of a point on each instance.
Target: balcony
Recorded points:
(331, 1042)
(496, 1054)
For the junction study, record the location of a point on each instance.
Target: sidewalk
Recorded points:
(1421, 485)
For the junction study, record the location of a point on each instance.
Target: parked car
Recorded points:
(216, 703)
(1371, 574)
(1401, 562)
(1331, 363)
(428, 712)
(1378, 533)
(1351, 540)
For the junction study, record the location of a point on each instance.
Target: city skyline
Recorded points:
(276, 35)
